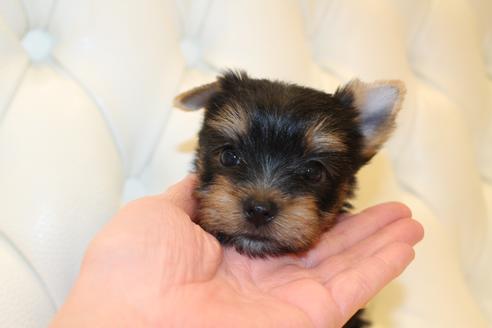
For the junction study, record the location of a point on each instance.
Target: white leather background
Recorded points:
(86, 124)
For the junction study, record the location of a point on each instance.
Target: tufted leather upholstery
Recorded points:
(86, 124)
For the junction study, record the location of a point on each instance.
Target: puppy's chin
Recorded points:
(255, 246)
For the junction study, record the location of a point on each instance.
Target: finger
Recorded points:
(354, 228)
(406, 231)
(181, 195)
(353, 288)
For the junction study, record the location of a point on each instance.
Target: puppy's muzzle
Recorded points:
(259, 212)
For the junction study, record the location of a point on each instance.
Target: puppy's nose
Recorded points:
(259, 212)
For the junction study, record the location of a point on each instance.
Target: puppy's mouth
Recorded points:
(253, 245)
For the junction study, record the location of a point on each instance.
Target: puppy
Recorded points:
(276, 161)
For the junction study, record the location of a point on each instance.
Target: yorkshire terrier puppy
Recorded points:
(276, 161)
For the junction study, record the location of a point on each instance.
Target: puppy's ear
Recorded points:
(196, 98)
(377, 103)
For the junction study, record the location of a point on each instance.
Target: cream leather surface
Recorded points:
(86, 124)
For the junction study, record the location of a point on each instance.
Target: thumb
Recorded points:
(181, 195)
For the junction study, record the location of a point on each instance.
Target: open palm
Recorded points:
(153, 266)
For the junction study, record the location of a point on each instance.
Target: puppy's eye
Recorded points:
(313, 172)
(228, 157)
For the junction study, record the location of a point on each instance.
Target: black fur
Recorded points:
(357, 321)
(294, 147)
(280, 115)
(273, 152)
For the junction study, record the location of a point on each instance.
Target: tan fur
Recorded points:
(297, 225)
(359, 90)
(317, 139)
(232, 121)
(329, 217)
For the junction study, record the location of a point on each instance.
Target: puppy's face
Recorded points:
(277, 162)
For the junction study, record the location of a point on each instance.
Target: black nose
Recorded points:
(259, 212)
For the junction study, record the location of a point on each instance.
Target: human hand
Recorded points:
(151, 266)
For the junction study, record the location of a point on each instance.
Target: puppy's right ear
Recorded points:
(196, 98)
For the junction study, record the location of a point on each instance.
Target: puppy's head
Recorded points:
(277, 161)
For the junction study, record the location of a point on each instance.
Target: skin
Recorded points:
(152, 266)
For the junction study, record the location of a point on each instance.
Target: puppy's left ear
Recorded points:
(378, 103)
(196, 98)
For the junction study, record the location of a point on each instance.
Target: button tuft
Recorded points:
(38, 44)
